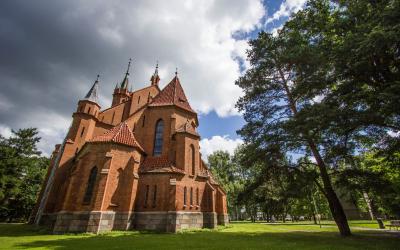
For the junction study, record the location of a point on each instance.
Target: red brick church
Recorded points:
(134, 165)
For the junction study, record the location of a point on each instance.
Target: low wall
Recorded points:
(93, 222)
(98, 222)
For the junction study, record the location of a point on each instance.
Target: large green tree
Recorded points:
(230, 176)
(326, 86)
(22, 170)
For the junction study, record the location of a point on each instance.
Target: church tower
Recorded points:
(121, 93)
(84, 119)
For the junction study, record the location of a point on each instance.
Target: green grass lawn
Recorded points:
(240, 235)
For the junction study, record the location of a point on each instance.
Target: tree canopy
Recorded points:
(22, 170)
(326, 87)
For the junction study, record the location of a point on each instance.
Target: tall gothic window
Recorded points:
(197, 196)
(154, 195)
(184, 196)
(146, 195)
(90, 186)
(192, 162)
(191, 196)
(158, 139)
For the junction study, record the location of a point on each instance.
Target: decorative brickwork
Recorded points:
(135, 165)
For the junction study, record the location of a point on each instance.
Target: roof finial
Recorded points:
(156, 72)
(155, 78)
(97, 79)
(129, 65)
(125, 82)
(176, 72)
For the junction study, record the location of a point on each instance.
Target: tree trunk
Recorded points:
(334, 204)
(371, 206)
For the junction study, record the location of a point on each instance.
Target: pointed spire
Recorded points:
(125, 82)
(92, 95)
(155, 78)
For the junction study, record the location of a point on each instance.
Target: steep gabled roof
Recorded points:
(172, 94)
(120, 134)
(159, 164)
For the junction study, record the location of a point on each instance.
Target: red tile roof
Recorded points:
(172, 94)
(119, 134)
(158, 164)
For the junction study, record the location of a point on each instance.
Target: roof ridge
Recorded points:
(119, 129)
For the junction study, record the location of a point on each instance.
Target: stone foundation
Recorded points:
(174, 221)
(93, 222)
(223, 219)
(98, 222)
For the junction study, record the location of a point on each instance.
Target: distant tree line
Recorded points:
(22, 171)
(321, 104)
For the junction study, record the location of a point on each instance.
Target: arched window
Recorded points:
(158, 138)
(147, 195)
(138, 100)
(88, 110)
(154, 195)
(197, 196)
(191, 196)
(144, 120)
(184, 196)
(192, 161)
(112, 119)
(90, 186)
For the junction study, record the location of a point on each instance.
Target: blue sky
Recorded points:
(213, 125)
(53, 50)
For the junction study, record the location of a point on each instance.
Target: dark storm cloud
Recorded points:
(51, 52)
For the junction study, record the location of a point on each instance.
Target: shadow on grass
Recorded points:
(222, 239)
(20, 230)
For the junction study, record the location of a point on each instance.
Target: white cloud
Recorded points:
(286, 9)
(208, 146)
(195, 36)
(5, 131)
(91, 37)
